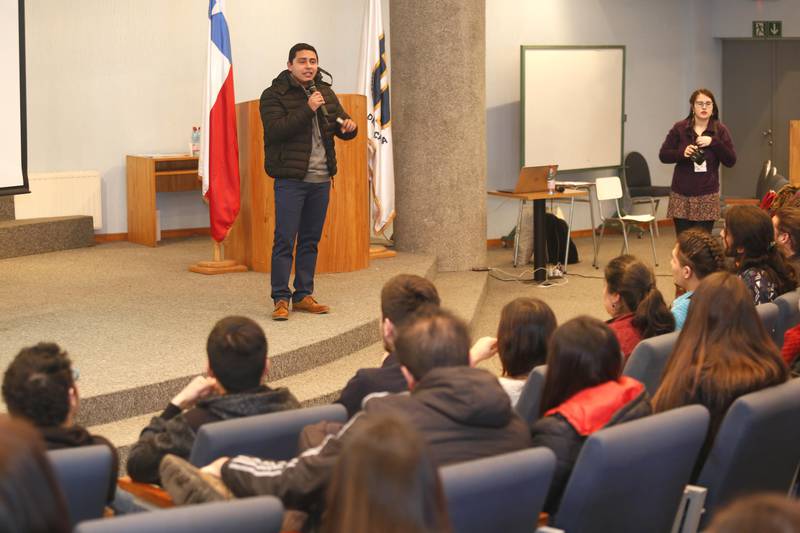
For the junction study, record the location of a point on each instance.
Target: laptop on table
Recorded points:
(532, 179)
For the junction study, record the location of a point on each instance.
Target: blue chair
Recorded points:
(263, 514)
(631, 477)
(272, 436)
(757, 447)
(84, 474)
(768, 313)
(649, 358)
(501, 493)
(530, 399)
(788, 313)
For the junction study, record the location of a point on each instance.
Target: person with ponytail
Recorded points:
(636, 306)
(723, 352)
(696, 255)
(749, 239)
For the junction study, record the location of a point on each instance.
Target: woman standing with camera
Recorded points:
(697, 145)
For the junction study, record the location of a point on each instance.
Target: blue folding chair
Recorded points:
(649, 358)
(631, 477)
(263, 514)
(756, 449)
(788, 313)
(530, 399)
(84, 474)
(769, 313)
(501, 493)
(272, 436)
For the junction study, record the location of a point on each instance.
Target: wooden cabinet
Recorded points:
(148, 175)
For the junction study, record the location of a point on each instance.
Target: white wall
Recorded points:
(734, 18)
(110, 78)
(668, 54)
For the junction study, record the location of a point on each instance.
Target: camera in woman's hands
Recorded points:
(698, 156)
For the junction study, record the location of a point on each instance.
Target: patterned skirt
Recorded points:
(704, 207)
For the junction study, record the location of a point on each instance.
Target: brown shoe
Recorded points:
(310, 305)
(281, 311)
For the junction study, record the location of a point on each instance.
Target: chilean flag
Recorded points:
(219, 146)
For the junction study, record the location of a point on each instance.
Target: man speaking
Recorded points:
(300, 114)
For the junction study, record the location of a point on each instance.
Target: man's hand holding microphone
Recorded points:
(316, 101)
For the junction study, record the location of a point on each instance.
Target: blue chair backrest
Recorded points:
(649, 358)
(84, 474)
(530, 399)
(768, 313)
(501, 493)
(757, 447)
(272, 436)
(630, 477)
(788, 313)
(263, 514)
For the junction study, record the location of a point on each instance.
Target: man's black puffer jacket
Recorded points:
(288, 120)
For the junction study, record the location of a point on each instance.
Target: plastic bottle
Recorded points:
(551, 180)
(195, 141)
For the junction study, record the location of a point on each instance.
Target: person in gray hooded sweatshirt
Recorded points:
(232, 388)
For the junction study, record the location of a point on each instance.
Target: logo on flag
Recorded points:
(373, 83)
(219, 145)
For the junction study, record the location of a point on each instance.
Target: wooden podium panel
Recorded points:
(344, 246)
(794, 153)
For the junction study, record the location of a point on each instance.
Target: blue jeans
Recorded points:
(300, 210)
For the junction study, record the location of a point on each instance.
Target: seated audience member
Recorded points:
(584, 392)
(764, 513)
(30, 497)
(461, 412)
(723, 352)
(749, 239)
(401, 297)
(637, 309)
(696, 255)
(39, 386)
(525, 327)
(786, 222)
(232, 388)
(385, 481)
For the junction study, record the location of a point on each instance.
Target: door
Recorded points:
(746, 108)
(761, 93)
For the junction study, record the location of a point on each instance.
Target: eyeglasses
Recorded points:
(704, 104)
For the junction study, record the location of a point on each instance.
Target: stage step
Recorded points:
(42, 235)
(461, 292)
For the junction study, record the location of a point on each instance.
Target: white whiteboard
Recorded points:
(572, 105)
(13, 177)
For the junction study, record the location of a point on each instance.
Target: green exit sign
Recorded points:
(767, 29)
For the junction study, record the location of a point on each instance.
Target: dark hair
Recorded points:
(31, 497)
(789, 223)
(526, 325)
(301, 46)
(404, 294)
(433, 340)
(768, 512)
(36, 385)
(583, 353)
(237, 353)
(715, 108)
(751, 230)
(636, 285)
(723, 351)
(701, 252)
(385, 480)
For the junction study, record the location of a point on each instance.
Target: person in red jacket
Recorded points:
(584, 392)
(636, 306)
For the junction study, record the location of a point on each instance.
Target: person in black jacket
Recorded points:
(584, 392)
(40, 386)
(237, 365)
(462, 413)
(401, 297)
(300, 114)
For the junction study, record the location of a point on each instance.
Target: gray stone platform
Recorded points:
(42, 235)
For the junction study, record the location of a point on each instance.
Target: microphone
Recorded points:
(312, 89)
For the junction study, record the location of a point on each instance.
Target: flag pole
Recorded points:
(219, 265)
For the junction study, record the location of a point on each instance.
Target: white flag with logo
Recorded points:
(373, 82)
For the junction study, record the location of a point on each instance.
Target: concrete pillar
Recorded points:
(6, 208)
(438, 93)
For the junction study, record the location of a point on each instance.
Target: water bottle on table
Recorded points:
(551, 180)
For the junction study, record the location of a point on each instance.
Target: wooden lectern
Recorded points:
(344, 246)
